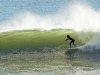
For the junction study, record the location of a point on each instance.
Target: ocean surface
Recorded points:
(33, 34)
(36, 52)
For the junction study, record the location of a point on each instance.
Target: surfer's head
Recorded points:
(68, 36)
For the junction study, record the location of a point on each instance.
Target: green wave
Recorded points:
(35, 39)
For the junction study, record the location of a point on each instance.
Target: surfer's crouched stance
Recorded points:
(72, 40)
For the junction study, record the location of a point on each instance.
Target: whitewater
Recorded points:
(79, 17)
(31, 44)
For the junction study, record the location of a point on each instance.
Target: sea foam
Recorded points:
(78, 16)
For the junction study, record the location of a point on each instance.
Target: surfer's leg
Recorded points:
(70, 43)
(73, 42)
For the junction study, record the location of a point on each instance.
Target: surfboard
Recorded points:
(72, 48)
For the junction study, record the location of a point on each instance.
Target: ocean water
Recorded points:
(36, 52)
(33, 33)
(55, 61)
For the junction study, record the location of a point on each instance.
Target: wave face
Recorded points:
(39, 40)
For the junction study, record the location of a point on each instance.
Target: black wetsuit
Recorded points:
(72, 41)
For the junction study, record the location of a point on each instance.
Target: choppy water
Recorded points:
(52, 62)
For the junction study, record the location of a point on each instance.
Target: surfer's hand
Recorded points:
(66, 39)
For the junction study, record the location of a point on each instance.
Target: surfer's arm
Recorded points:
(66, 39)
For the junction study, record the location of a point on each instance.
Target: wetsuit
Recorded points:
(72, 41)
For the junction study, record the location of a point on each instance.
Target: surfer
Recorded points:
(72, 40)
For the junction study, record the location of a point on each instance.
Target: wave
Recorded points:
(78, 17)
(91, 41)
(45, 40)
